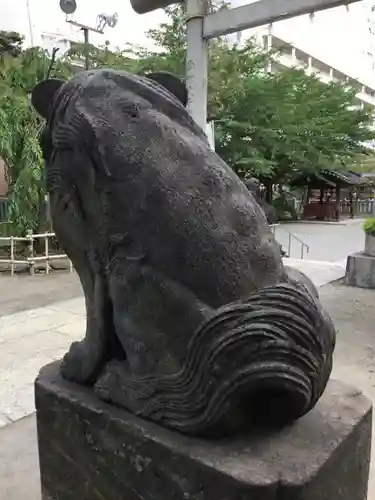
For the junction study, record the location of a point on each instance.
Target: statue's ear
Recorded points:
(172, 83)
(42, 95)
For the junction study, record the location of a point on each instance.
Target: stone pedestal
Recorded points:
(370, 245)
(360, 270)
(91, 451)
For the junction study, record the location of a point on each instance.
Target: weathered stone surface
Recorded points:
(360, 270)
(89, 450)
(192, 320)
(19, 464)
(370, 245)
(270, 212)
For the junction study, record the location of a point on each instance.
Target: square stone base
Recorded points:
(92, 451)
(360, 270)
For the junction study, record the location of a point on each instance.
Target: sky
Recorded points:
(47, 16)
(337, 34)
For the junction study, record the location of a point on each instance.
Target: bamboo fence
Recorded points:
(31, 260)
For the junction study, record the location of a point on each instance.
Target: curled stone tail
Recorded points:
(267, 358)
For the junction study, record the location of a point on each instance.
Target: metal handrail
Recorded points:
(290, 238)
(302, 243)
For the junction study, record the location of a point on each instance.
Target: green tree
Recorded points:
(169, 41)
(365, 163)
(225, 62)
(10, 43)
(279, 126)
(272, 126)
(19, 130)
(102, 56)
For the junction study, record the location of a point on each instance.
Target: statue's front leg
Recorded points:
(85, 359)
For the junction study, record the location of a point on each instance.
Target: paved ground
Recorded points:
(327, 242)
(28, 340)
(21, 292)
(351, 310)
(319, 272)
(19, 474)
(41, 315)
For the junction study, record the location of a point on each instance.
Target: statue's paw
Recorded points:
(111, 385)
(80, 364)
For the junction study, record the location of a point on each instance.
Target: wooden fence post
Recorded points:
(31, 252)
(46, 241)
(12, 256)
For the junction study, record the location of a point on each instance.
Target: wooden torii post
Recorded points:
(202, 26)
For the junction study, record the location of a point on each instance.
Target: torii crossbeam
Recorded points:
(202, 26)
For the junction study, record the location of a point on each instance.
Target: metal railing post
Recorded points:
(303, 245)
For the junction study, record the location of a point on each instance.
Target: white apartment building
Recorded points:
(50, 41)
(290, 55)
(336, 44)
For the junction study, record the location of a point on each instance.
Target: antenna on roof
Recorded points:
(106, 20)
(103, 20)
(68, 6)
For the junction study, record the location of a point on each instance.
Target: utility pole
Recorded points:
(86, 32)
(103, 20)
(87, 46)
(30, 22)
(196, 61)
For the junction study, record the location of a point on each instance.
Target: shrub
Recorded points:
(369, 226)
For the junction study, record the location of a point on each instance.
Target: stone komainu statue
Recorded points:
(192, 319)
(270, 212)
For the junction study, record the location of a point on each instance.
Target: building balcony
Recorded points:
(324, 72)
(290, 56)
(364, 97)
(286, 60)
(323, 77)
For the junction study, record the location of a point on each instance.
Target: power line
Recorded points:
(30, 22)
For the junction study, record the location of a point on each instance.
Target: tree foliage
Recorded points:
(19, 130)
(289, 124)
(102, 56)
(10, 43)
(271, 125)
(169, 45)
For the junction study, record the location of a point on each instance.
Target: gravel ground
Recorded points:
(353, 312)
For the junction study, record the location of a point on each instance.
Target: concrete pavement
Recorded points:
(32, 338)
(21, 292)
(19, 462)
(327, 242)
(320, 272)
(40, 316)
(28, 340)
